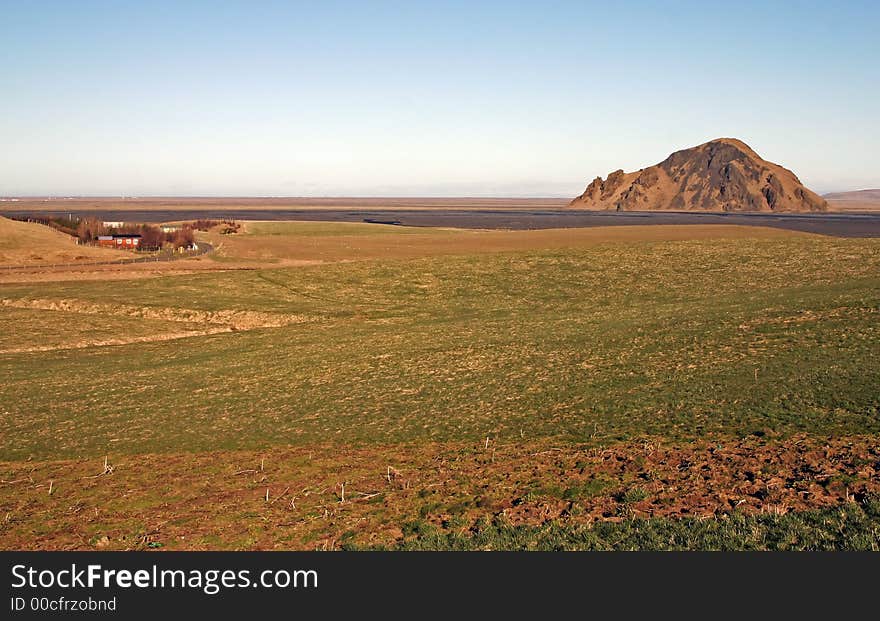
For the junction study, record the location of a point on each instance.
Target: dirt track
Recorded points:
(204, 248)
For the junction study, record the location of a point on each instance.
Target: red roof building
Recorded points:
(129, 242)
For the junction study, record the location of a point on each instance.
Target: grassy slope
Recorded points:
(271, 243)
(590, 345)
(675, 338)
(334, 229)
(25, 243)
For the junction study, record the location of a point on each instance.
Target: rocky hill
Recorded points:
(720, 175)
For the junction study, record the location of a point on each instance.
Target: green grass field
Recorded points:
(681, 340)
(335, 229)
(851, 527)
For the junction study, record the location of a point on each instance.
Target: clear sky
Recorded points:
(433, 98)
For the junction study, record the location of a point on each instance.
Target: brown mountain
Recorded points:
(720, 175)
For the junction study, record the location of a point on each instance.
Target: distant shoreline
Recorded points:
(470, 216)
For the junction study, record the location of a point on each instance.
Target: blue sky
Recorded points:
(434, 98)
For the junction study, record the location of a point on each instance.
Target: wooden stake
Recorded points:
(108, 469)
(280, 496)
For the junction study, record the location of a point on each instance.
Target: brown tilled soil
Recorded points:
(314, 497)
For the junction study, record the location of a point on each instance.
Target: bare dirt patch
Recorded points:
(200, 322)
(81, 344)
(235, 319)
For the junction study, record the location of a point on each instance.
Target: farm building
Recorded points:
(170, 228)
(130, 242)
(113, 225)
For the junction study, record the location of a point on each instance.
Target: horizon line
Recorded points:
(60, 197)
(276, 197)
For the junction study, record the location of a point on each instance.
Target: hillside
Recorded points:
(24, 243)
(720, 175)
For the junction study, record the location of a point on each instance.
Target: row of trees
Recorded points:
(64, 224)
(224, 227)
(152, 237)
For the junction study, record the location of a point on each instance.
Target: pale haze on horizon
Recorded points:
(425, 99)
